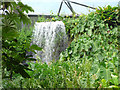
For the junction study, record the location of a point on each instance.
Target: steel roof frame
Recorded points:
(67, 2)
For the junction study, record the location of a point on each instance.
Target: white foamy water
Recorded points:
(51, 36)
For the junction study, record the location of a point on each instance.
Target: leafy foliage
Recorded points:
(14, 53)
(109, 15)
(95, 40)
(43, 19)
(90, 61)
(16, 43)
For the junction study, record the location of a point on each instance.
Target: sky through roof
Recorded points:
(52, 6)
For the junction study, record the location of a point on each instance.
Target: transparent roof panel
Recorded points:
(52, 6)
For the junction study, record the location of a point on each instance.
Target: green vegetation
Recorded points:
(15, 43)
(90, 61)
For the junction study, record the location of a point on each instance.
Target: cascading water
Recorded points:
(51, 36)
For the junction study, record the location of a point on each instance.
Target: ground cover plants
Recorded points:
(90, 61)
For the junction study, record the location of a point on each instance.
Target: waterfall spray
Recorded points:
(51, 36)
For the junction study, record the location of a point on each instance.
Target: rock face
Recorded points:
(51, 36)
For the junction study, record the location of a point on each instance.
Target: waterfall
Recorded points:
(51, 36)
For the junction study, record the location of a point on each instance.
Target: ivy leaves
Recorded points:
(95, 40)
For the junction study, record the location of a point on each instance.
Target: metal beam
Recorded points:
(70, 7)
(67, 2)
(82, 4)
(60, 7)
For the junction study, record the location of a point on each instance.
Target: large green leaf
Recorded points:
(115, 80)
(90, 32)
(106, 73)
(35, 47)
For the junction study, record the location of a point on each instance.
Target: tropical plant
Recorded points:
(95, 40)
(13, 46)
(109, 15)
(90, 61)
